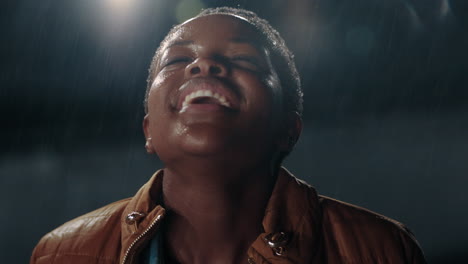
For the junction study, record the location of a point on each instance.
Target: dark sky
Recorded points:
(386, 112)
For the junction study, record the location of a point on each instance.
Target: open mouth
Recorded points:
(205, 93)
(205, 97)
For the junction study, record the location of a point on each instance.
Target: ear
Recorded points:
(292, 132)
(148, 144)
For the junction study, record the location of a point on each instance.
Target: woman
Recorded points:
(223, 109)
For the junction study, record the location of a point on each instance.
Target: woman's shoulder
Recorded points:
(78, 237)
(361, 233)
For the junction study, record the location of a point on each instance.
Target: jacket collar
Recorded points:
(141, 218)
(292, 209)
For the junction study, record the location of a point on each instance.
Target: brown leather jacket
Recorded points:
(300, 227)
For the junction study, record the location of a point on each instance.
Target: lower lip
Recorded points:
(205, 108)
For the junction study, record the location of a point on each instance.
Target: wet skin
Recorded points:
(218, 153)
(225, 54)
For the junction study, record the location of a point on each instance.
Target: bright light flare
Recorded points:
(120, 9)
(116, 19)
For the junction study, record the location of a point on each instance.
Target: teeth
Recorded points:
(205, 93)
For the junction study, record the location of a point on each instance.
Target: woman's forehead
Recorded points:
(220, 25)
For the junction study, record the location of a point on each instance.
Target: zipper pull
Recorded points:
(133, 219)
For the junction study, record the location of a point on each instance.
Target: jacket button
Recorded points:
(133, 218)
(277, 241)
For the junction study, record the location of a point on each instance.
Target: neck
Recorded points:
(215, 207)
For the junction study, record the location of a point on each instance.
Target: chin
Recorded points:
(205, 146)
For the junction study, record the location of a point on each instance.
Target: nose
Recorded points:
(206, 67)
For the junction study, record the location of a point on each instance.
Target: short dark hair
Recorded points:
(281, 57)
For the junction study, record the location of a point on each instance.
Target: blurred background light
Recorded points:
(187, 9)
(119, 17)
(385, 109)
(120, 5)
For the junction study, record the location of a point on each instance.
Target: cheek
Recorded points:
(273, 83)
(159, 105)
(264, 92)
(161, 88)
(270, 102)
(161, 78)
(154, 103)
(276, 93)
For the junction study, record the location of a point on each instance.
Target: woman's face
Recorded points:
(215, 93)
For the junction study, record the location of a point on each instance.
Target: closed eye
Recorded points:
(176, 60)
(249, 62)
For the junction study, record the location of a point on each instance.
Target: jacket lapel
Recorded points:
(292, 222)
(293, 217)
(141, 218)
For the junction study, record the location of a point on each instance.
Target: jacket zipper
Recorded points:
(127, 253)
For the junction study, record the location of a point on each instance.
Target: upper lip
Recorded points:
(207, 87)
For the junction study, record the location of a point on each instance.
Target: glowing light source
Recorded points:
(120, 7)
(120, 3)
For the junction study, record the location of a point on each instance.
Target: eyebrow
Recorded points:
(245, 41)
(249, 41)
(180, 43)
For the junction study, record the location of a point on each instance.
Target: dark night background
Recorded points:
(386, 113)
